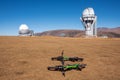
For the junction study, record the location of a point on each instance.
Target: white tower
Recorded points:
(89, 21)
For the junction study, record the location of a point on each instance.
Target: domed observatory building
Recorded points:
(24, 30)
(89, 22)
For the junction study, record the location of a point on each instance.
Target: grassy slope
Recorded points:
(27, 58)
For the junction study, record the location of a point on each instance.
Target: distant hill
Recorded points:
(114, 30)
(110, 32)
(62, 33)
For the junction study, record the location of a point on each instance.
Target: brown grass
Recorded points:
(27, 58)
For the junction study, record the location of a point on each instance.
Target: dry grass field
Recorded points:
(27, 58)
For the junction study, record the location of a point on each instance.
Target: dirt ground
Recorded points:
(27, 58)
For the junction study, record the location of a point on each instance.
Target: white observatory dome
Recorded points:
(23, 27)
(88, 12)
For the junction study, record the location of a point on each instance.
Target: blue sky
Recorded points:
(44, 15)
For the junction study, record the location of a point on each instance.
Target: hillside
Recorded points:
(27, 58)
(110, 32)
(61, 33)
(114, 30)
